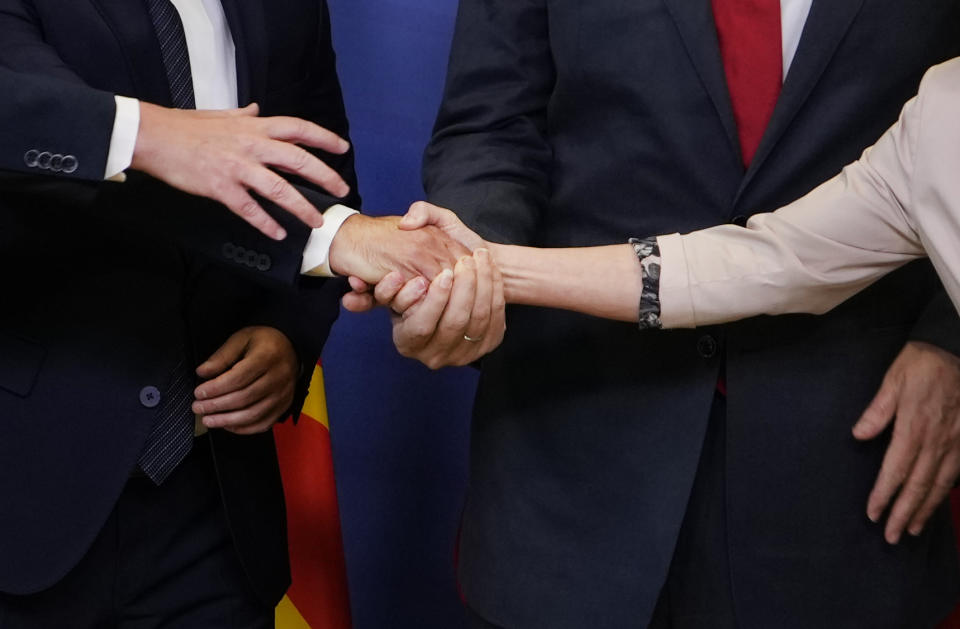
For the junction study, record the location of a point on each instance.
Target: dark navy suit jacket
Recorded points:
(574, 123)
(107, 285)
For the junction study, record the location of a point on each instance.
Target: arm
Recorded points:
(42, 115)
(220, 155)
(489, 159)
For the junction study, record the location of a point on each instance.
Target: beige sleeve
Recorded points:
(806, 257)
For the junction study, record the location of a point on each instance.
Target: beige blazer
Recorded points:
(899, 202)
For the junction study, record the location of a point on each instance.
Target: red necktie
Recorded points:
(751, 45)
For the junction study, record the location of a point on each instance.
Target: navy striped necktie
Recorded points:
(173, 48)
(171, 437)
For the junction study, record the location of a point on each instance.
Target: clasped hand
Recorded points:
(449, 318)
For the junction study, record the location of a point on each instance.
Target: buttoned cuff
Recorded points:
(123, 141)
(316, 255)
(676, 298)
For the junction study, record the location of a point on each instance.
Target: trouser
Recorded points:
(164, 558)
(697, 593)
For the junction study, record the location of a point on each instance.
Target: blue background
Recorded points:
(399, 431)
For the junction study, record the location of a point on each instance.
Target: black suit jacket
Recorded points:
(107, 285)
(585, 123)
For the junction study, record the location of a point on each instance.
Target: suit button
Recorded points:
(263, 262)
(43, 160)
(739, 220)
(70, 164)
(56, 163)
(30, 158)
(707, 346)
(250, 259)
(229, 250)
(150, 397)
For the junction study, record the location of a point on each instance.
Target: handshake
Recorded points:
(437, 277)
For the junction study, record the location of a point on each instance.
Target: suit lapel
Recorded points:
(694, 19)
(129, 20)
(246, 20)
(828, 22)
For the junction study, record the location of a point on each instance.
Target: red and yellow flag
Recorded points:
(318, 597)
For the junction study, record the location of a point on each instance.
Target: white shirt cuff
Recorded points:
(126, 126)
(316, 255)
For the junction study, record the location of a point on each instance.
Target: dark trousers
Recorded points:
(697, 592)
(164, 559)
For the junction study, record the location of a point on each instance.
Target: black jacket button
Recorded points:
(229, 250)
(263, 262)
(31, 158)
(150, 397)
(70, 164)
(707, 346)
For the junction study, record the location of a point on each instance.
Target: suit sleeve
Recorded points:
(146, 205)
(52, 126)
(808, 256)
(489, 158)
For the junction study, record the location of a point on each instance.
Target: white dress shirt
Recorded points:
(213, 66)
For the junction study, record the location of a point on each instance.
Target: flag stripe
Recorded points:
(318, 569)
(288, 616)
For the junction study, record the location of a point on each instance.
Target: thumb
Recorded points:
(419, 215)
(879, 413)
(225, 357)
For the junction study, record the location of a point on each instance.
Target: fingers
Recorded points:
(417, 326)
(897, 463)
(296, 161)
(225, 357)
(456, 316)
(914, 492)
(358, 285)
(479, 322)
(240, 376)
(256, 418)
(307, 133)
(408, 296)
(237, 399)
(498, 324)
(879, 413)
(358, 303)
(275, 188)
(238, 200)
(250, 395)
(942, 486)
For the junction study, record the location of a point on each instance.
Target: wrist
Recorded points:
(149, 137)
(507, 258)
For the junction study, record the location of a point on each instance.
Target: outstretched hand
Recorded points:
(226, 155)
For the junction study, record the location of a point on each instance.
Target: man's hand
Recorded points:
(922, 392)
(224, 155)
(250, 382)
(459, 320)
(368, 248)
(420, 215)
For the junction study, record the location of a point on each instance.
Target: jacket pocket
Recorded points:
(20, 363)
